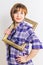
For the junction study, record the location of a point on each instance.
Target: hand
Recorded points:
(22, 59)
(7, 31)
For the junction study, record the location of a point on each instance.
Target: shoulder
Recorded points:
(28, 28)
(26, 25)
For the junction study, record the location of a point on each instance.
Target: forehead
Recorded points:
(19, 9)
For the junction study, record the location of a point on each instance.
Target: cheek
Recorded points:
(15, 16)
(23, 17)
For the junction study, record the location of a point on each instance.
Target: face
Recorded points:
(19, 16)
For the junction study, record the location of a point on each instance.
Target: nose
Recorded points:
(18, 14)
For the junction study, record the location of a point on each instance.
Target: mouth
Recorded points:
(18, 18)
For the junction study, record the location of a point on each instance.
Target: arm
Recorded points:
(32, 54)
(26, 58)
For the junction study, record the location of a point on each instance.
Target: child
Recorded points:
(21, 33)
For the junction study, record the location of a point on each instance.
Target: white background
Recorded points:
(35, 12)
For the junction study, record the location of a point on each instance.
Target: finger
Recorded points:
(18, 60)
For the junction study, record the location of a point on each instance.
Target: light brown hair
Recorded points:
(17, 8)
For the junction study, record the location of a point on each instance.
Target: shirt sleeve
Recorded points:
(33, 39)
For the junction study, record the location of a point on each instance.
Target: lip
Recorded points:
(18, 18)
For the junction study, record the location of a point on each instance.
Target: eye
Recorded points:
(15, 11)
(22, 13)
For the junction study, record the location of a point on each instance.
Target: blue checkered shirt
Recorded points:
(22, 34)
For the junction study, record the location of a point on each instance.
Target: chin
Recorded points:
(18, 21)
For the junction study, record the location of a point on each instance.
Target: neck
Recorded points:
(16, 24)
